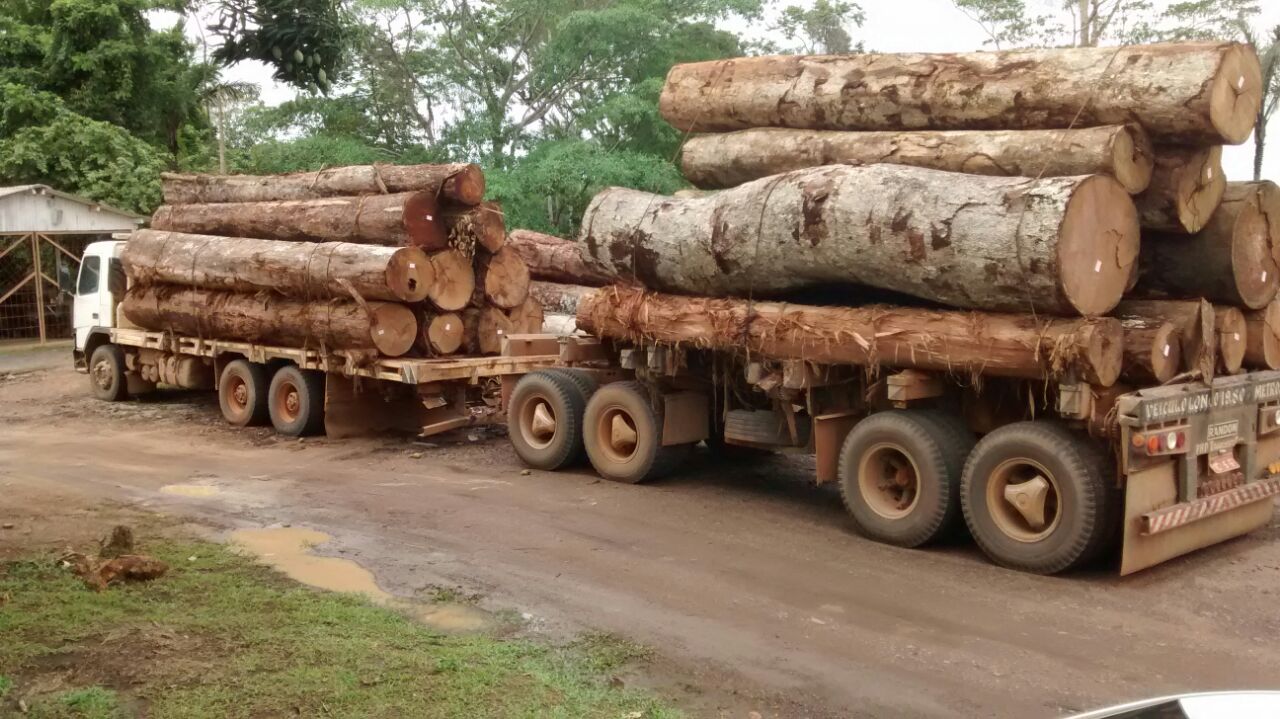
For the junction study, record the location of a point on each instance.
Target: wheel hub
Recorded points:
(1023, 500)
(240, 394)
(1029, 499)
(622, 435)
(888, 480)
(102, 374)
(291, 402)
(539, 423)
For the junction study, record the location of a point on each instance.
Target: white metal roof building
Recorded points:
(43, 232)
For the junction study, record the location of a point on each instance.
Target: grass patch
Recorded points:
(222, 636)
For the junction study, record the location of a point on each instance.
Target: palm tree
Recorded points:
(1269, 56)
(215, 95)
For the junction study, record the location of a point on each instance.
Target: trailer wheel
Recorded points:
(544, 419)
(243, 393)
(584, 379)
(106, 373)
(957, 442)
(623, 435)
(896, 478)
(1035, 497)
(296, 402)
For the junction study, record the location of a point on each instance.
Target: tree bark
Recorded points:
(408, 218)
(558, 299)
(442, 334)
(1185, 93)
(554, 259)
(1057, 245)
(1197, 328)
(1186, 187)
(303, 270)
(501, 278)
(1232, 338)
(1152, 352)
(967, 344)
(730, 159)
(455, 280)
(526, 318)
(473, 227)
(484, 329)
(460, 182)
(1233, 260)
(1262, 337)
(333, 324)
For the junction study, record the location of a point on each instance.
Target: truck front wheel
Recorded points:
(107, 373)
(1036, 498)
(242, 393)
(296, 402)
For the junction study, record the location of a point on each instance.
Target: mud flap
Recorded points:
(1156, 488)
(367, 410)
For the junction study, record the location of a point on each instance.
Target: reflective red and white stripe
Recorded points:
(1162, 520)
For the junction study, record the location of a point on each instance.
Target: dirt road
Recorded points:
(747, 579)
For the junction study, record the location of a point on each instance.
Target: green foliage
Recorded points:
(822, 27)
(307, 153)
(6, 686)
(549, 189)
(88, 703)
(304, 40)
(1207, 19)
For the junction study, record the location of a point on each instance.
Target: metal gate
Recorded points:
(37, 280)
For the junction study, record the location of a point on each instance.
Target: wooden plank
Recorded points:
(829, 431)
(35, 260)
(74, 257)
(526, 345)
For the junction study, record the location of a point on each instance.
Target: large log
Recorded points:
(1062, 245)
(455, 280)
(1233, 260)
(502, 278)
(1202, 93)
(484, 328)
(406, 218)
(729, 159)
(1232, 332)
(1186, 187)
(527, 317)
(1152, 352)
(476, 227)
(302, 270)
(969, 344)
(556, 298)
(1197, 328)
(554, 259)
(333, 324)
(460, 182)
(1262, 336)
(442, 334)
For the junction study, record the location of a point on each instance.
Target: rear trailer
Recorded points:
(1045, 476)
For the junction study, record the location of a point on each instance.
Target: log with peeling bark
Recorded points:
(1152, 351)
(1197, 328)
(302, 270)
(1262, 337)
(455, 280)
(406, 218)
(476, 227)
(389, 328)
(1186, 187)
(1182, 93)
(484, 328)
(502, 279)
(554, 259)
(556, 298)
(730, 159)
(1232, 338)
(1062, 245)
(441, 333)
(963, 343)
(1233, 260)
(459, 182)
(526, 318)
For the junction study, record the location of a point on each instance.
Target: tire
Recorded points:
(243, 393)
(544, 419)
(106, 373)
(585, 380)
(296, 402)
(920, 502)
(1078, 509)
(629, 462)
(957, 442)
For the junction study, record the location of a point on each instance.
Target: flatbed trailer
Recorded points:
(1045, 476)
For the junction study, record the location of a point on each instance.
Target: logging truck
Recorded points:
(1045, 476)
(298, 390)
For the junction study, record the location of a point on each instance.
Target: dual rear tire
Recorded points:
(291, 399)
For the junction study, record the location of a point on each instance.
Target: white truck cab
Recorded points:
(99, 289)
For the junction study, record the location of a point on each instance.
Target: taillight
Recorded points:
(1162, 442)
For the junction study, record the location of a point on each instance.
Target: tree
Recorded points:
(822, 28)
(306, 41)
(1079, 23)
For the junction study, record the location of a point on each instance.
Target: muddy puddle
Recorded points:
(289, 550)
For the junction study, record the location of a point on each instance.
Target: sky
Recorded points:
(891, 26)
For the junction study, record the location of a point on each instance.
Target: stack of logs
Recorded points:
(397, 260)
(1030, 213)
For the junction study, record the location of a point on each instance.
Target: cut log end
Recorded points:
(485, 328)
(393, 328)
(443, 334)
(1098, 245)
(1200, 189)
(410, 274)
(1255, 241)
(1103, 347)
(1133, 159)
(1152, 351)
(1232, 338)
(506, 278)
(1262, 338)
(1236, 94)
(490, 227)
(455, 280)
(422, 222)
(1166, 353)
(527, 317)
(466, 185)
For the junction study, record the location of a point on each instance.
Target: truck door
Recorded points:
(86, 311)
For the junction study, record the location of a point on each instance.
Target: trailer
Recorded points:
(1045, 476)
(297, 390)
